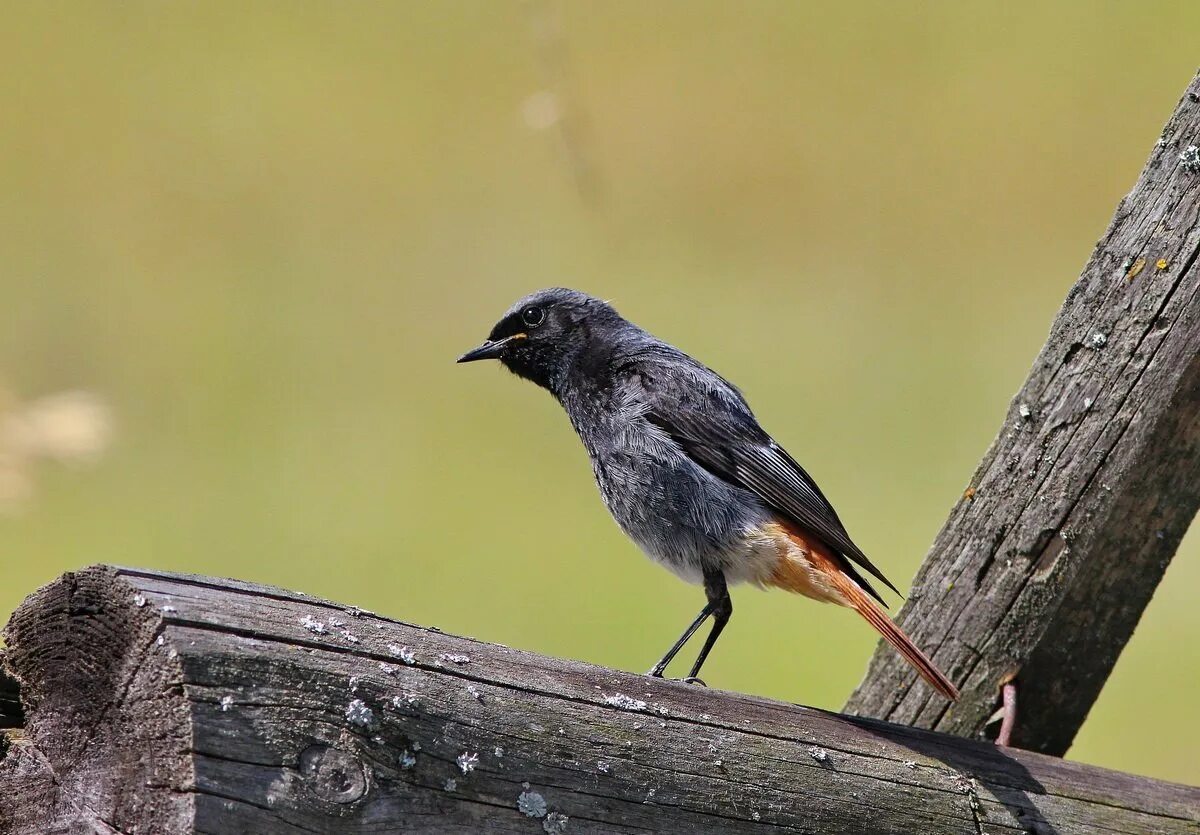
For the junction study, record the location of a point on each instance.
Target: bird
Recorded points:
(685, 469)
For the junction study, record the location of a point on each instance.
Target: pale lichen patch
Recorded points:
(555, 823)
(357, 713)
(531, 804)
(467, 762)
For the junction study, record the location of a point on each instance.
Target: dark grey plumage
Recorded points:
(684, 467)
(681, 462)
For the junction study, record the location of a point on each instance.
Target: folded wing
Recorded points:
(712, 423)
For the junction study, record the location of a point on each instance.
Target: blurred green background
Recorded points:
(259, 234)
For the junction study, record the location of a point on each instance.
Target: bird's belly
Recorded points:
(682, 552)
(689, 522)
(749, 557)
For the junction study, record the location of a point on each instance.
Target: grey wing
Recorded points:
(713, 424)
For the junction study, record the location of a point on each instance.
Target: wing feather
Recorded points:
(713, 424)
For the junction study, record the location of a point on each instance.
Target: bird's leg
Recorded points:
(658, 669)
(721, 606)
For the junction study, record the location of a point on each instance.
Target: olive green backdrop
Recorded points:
(261, 233)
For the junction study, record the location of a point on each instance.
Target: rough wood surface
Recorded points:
(1046, 564)
(10, 700)
(172, 704)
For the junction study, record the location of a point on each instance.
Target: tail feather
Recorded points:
(816, 572)
(894, 636)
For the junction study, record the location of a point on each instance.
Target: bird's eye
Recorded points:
(533, 316)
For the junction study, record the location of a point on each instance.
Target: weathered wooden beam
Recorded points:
(1046, 564)
(10, 700)
(171, 704)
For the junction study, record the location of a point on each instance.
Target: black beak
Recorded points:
(491, 349)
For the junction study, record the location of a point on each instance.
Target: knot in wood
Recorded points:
(332, 774)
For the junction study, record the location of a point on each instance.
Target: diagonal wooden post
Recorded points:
(1045, 565)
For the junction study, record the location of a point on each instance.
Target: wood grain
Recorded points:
(1045, 565)
(11, 715)
(162, 703)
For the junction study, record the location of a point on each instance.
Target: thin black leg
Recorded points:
(657, 669)
(720, 606)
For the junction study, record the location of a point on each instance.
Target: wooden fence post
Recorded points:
(1045, 565)
(176, 705)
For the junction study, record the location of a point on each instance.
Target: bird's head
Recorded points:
(541, 335)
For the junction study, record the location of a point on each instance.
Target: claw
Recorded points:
(657, 673)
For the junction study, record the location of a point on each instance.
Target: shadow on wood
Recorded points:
(177, 704)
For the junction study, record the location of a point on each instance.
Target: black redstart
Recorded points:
(685, 469)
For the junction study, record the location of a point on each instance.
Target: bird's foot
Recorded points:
(656, 673)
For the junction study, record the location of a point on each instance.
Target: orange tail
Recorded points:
(819, 576)
(891, 633)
